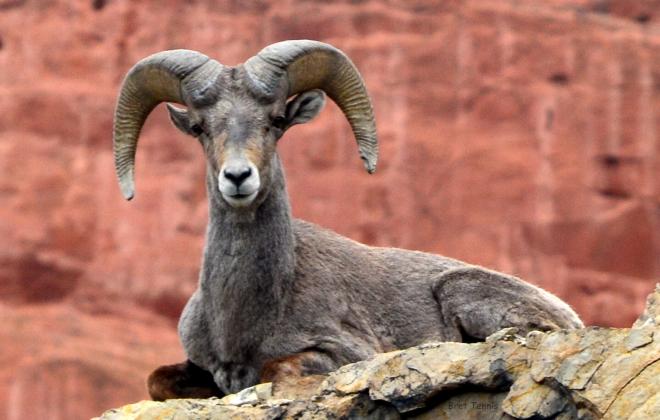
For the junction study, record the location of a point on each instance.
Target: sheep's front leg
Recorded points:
(475, 302)
(294, 367)
(183, 380)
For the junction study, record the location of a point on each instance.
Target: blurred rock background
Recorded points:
(516, 134)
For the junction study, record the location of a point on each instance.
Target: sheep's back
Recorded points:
(384, 294)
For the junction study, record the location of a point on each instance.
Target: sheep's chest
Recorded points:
(224, 344)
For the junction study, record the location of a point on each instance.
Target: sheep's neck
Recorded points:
(249, 262)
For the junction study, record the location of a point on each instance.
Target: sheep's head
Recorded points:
(239, 113)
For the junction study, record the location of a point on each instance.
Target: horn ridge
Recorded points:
(306, 65)
(154, 79)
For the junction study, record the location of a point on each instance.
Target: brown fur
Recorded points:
(283, 367)
(219, 150)
(291, 375)
(254, 152)
(182, 380)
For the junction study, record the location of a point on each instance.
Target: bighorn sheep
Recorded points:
(277, 295)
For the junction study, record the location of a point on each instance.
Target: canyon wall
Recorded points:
(516, 135)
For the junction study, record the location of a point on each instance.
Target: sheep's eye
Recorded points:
(279, 122)
(196, 129)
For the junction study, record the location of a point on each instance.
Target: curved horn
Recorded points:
(316, 65)
(155, 79)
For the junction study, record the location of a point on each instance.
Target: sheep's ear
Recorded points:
(304, 107)
(181, 120)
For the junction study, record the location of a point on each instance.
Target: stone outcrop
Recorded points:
(589, 373)
(525, 133)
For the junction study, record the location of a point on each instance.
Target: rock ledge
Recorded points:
(589, 373)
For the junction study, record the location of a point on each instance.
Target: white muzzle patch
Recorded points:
(239, 183)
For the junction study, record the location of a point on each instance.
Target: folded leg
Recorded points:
(297, 365)
(183, 380)
(297, 376)
(475, 302)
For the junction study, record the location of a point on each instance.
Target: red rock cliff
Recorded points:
(520, 136)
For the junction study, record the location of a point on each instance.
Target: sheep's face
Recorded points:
(239, 133)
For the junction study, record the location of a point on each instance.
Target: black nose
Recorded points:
(237, 174)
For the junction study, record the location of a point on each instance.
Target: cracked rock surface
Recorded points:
(589, 373)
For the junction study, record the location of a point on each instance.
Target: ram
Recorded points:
(280, 296)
